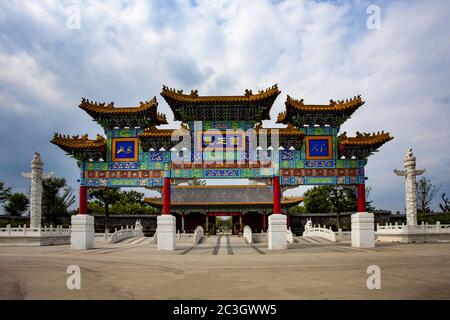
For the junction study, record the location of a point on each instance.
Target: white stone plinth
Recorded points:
(363, 234)
(277, 233)
(166, 225)
(82, 232)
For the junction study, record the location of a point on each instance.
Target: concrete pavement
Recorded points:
(225, 267)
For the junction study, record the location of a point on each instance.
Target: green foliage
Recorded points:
(5, 192)
(113, 201)
(57, 198)
(123, 207)
(95, 208)
(426, 191)
(317, 200)
(106, 197)
(325, 199)
(132, 197)
(433, 218)
(369, 206)
(445, 205)
(298, 209)
(17, 203)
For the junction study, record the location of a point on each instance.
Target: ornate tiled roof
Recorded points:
(81, 148)
(248, 106)
(194, 98)
(108, 115)
(161, 138)
(334, 113)
(363, 145)
(77, 142)
(290, 130)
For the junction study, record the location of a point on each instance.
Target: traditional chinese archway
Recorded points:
(221, 137)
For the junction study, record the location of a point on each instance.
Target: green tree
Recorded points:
(107, 197)
(298, 209)
(95, 208)
(343, 199)
(132, 197)
(57, 197)
(369, 206)
(426, 191)
(326, 199)
(317, 200)
(17, 203)
(445, 205)
(5, 192)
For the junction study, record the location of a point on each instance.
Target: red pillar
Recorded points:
(83, 200)
(166, 196)
(276, 195)
(361, 197)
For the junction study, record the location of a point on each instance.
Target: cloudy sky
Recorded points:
(52, 53)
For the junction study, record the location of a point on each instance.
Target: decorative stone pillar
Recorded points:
(410, 174)
(166, 223)
(277, 233)
(36, 177)
(363, 233)
(82, 229)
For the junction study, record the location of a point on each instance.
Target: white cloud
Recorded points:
(21, 76)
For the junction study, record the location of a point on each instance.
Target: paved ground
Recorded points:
(225, 267)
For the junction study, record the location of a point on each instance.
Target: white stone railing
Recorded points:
(290, 236)
(343, 235)
(318, 231)
(396, 228)
(259, 237)
(122, 234)
(248, 234)
(24, 231)
(199, 233)
(155, 238)
(106, 235)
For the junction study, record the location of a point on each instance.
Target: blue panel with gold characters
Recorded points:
(125, 149)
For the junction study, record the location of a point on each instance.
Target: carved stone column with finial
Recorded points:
(410, 174)
(36, 177)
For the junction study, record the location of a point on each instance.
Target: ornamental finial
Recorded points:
(409, 153)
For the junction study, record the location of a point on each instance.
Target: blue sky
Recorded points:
(124, 51)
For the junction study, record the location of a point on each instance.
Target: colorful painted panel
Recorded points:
(125, 149)
(222, 173)
(225, 140)
(319, 148)
(118, 182)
